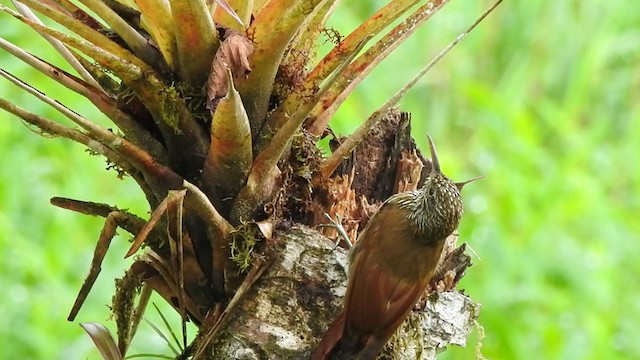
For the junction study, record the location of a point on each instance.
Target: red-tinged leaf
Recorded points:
(96, 43)
(230, 157)
(103, 340)
(106, 235)
(135, 41)
(60, 48)
(226, 12)
(157, 17)
(273, 29)
(258, 5)
(303, 47)
(334, 59)
(169, 111)
(361, 67)
(331, 163)
(196, 39)
(265, 173)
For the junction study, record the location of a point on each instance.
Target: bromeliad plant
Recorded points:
(213, 104)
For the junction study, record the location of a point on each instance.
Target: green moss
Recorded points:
(196, 100)
(243, 244)
(170, 112)
(123, 305)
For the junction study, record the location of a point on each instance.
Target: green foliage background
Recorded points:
(543, 99)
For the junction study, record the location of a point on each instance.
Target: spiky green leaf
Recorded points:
(196, 39)
(272, 30)
(229, 159)
(159, 22)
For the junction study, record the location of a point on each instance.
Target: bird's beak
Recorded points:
(461, 184)
(435, 164)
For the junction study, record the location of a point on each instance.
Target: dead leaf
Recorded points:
(234, 54)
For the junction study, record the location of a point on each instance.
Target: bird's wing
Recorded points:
(378, 300)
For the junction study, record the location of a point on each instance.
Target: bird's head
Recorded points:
(441, 201)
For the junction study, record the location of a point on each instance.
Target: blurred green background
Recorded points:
(543, 99)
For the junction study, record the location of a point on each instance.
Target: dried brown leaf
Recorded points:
(233, 53)
(148, 227)
(106, 235)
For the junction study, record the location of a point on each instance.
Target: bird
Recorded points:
(391, 265)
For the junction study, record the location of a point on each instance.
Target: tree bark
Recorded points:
(287, 310)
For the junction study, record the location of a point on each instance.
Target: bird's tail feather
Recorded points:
(330, 339)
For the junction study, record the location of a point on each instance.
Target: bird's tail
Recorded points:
(329, 340)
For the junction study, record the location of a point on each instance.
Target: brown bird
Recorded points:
(391, 265)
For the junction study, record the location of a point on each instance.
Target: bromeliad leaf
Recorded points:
(328, 65)
(97, 39)
(272, 30)
(167, 108)
(258, 5)
(196, 39)
(363, 65)
(226, 16)
(370, 28)
(103, 340)
(135, 41)
(265, 173)
(230, 157)
(60, 48)
(159, 22)
(331, 163)
(305, 41)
